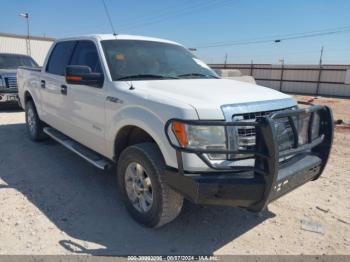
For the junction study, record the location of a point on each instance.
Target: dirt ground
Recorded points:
(340, 107)
(53, 202)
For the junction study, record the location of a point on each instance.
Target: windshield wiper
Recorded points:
(197, 74)
(146, 76)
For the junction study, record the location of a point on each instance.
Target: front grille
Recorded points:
(245, 137)
(246, 134)
(11, 82)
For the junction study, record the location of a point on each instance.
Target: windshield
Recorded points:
(8, 61)
(138, 60)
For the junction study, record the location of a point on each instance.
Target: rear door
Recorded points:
(86, 104)
(54, 102)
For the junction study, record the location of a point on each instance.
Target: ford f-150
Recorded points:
(173, 128)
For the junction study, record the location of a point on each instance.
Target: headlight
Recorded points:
(201, 137)
(303, 122)
(302, 126)
(285, 136)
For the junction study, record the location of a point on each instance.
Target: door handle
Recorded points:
(64, 90)
(42, 84)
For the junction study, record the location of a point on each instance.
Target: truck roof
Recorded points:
(101, 37)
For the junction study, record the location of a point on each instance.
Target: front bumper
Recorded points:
(254, 187)
(8, 97)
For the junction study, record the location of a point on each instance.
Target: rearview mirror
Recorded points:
(82, 75)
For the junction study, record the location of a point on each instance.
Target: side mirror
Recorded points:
(82, 75)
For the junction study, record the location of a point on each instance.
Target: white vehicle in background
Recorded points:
(172, 126)
(235, 74)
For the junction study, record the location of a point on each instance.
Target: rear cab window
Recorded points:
(65, 53)
(60, 57)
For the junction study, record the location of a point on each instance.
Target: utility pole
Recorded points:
(251, 67)
(26, 16)
(225, 60)
(321, 56)
(282, 71)
(319, 73)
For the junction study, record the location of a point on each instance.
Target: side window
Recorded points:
(60, 57)
(86, 54)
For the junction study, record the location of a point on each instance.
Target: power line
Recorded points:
(178, 13)
(109, 17)
(278, 39)
(273, 56)
(269, 54)
(155, 13)
(314, 35)
(276, 36)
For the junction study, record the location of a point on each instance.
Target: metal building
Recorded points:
(39, 46)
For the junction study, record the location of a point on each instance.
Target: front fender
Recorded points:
(146, 120)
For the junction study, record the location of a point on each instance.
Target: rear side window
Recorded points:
(60, 57)
(85, 54)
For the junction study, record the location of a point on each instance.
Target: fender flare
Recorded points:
(149, 122)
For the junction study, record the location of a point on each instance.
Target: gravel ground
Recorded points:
(53, 202)
(340, 107)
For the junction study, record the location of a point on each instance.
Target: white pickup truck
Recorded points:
(173, 128)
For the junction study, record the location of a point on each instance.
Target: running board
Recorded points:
(92, 157)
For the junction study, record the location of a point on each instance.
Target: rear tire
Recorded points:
(33, 123)
(152, 203)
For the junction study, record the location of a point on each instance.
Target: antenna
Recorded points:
(109, 17)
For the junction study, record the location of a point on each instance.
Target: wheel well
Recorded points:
(130, 135)
(27, 97)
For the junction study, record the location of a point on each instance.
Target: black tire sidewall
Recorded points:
(37, 134)
(33, 135)
(133, 154)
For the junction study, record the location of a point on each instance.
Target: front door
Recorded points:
(86, 104)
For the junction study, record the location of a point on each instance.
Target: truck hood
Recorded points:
(214, 98)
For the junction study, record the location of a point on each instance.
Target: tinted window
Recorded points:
(85, 53)
(8, 61)
(60, 57)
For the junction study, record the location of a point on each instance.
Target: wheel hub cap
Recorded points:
(138, 187)
(31, 120)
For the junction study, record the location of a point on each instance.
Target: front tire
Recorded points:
(149, 200)
(33, 123)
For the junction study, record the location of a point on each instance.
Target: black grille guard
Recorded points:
(266, 152)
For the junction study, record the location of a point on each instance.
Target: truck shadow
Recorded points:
(9, 108)
(84, 203)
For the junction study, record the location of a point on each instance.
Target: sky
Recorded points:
(200, 23)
